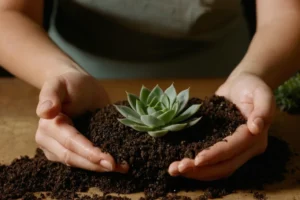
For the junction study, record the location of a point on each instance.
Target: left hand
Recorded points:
(256, 102)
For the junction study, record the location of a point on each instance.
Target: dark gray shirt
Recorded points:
(143, 30)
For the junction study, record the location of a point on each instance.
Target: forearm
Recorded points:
(27, 52)
(274, 53)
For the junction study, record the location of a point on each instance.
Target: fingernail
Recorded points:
(46, 105)
(181, 167)
(259, 123)
(173, 171)
(107, 165)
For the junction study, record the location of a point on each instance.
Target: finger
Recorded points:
(68, 157)
(51, 97)
(121, 168)
(50, 156)
(220, 170)
(182, 166)
(232, 145)
(261, 116)
(185, 165)
(71, 139)
(173, 168)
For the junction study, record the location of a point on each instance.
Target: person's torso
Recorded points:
(145, 28)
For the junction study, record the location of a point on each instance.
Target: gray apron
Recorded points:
(151, 38)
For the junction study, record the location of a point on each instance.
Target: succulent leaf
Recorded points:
(165, 101)
(156, 92)
(176, 107)
(140, 108)
(158, 106)
(141, 128)
(167, 116)
(193, 122)
(131, 98)
(151, 110)
(175, 127)
(153, 102)
(183, 98)
(171, 93)
(144, 93)
(126, 111)
(136, 120)
(128, 122)
(187, 113)
(152, 121)
(158, 133)
(157, 113)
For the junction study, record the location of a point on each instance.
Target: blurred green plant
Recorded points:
(288, 95)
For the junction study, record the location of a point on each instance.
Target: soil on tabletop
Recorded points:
(148, 159)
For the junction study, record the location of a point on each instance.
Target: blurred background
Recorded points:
(248, 6)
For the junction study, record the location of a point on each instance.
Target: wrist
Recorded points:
(62, 67)
(258, 70)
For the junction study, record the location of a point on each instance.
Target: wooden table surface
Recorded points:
(18, 123)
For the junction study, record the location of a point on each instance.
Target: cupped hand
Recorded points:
(61, 98)
(256, 102)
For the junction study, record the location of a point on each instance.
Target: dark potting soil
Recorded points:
(148, 158)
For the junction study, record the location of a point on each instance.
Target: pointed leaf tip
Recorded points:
(193, 122)
(156, 92)
(183, 98)
(131, 98)
(171, 93)
(144, 93)
(175, 127)
(141, 128)
(158, 133)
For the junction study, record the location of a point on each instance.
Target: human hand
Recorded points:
(256, 102)
(66, 96)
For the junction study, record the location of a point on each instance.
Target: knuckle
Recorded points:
(66, 157)
(94, 154)
(68, 140)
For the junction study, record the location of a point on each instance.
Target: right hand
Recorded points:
(62, 97)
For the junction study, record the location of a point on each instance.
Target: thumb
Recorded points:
(261, 116)
(51, 98)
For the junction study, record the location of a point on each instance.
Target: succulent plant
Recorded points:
(158, 112)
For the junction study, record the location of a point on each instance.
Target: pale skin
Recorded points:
(67, 90)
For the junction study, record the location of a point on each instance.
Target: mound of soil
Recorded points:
(148, 158)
